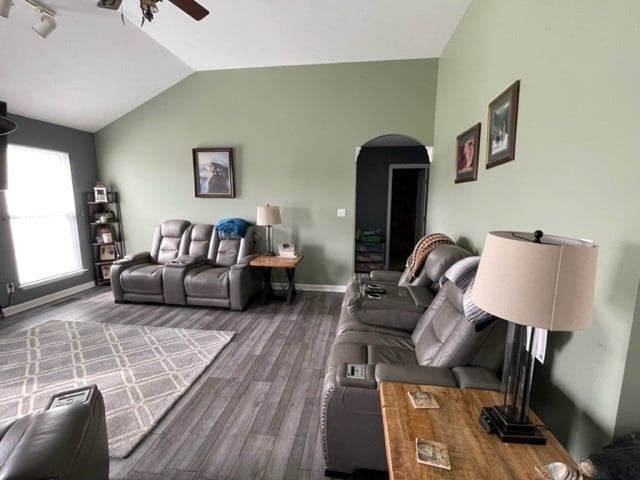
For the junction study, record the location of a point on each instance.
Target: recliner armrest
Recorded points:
(369, 380)
(246, 259)
(132, 258)
(68, 442)
(186, 261)
(386, 276)
(476, 377)
(399, 373)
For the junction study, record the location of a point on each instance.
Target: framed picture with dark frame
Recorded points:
(502, 121)
(213, 172)
(467, 154)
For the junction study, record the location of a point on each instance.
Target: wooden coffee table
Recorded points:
(474, 454)
(266, 263)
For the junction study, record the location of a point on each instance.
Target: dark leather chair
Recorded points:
(67, 441)
(138, 277)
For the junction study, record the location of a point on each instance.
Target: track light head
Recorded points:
(5, 8)
(46, 25)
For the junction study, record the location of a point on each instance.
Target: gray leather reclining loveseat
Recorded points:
(189, 265)
(442, 347)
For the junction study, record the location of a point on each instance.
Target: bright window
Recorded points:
(42, 214)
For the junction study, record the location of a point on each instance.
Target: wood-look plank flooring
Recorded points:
(253, 414)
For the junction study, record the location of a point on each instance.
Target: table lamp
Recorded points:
(532, 281)
(269, 215)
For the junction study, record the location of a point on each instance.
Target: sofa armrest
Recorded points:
(173, 275)
(246, 259)
(386, 276)
(187, 261)
(476, 377)
(132, 258)
(441, 376)
(68, 441)
(344, 380)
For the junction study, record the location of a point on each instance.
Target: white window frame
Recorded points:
(44, 196)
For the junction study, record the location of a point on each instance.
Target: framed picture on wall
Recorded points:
(213, 172)
(502, 121)
(467, 147)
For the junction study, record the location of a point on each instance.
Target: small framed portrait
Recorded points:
(108, 252)
(502, 121)
(467, 153)
(213, 172)
(105, 270)
(100, 194)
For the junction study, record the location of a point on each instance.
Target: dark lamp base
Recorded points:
(492, 420)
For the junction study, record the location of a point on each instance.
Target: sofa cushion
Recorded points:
(207, 281)
(142, 279)
(228, 252)
(199, 240)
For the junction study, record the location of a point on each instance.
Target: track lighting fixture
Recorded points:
(46, 23)
(5, 8)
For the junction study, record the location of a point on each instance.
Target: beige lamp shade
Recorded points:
(269, 215)
(546, 285)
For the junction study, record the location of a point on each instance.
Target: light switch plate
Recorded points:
(342, 212)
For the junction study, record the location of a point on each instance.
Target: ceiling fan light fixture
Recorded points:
(46, 25)
(5, 8)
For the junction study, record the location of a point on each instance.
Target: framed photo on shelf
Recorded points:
(502, 123)
(213, 174)
(107, 252)
(105, 270)
(467, 153)
(100, 194)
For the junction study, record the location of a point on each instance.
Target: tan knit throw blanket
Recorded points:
(423, 248)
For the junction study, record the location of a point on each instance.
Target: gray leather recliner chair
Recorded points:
(138, 277)
(400, 307)
(214, 271)
(68, 440)
(443, 349)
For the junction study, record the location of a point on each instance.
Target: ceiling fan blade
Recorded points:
(192, 8)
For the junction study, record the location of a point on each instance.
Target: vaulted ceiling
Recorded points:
(93, 68)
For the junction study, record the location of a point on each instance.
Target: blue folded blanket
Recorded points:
(232, 227)
(462, 274)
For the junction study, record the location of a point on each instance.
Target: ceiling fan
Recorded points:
(149, 7)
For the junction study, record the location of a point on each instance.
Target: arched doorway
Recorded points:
(392, 173)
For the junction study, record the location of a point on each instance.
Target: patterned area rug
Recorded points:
(141, 371)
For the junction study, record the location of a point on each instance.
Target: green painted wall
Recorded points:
(294, 131)
(576, 174)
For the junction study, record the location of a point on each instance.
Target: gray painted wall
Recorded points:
(575, 174)
(294, 131)
(82, 156)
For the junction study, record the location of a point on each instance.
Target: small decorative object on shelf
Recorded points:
(100, 193)
(105, 231)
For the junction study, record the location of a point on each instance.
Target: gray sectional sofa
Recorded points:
(416, 332)
(189, 265)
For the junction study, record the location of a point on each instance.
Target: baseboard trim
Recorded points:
(52, 297)
(310, 287)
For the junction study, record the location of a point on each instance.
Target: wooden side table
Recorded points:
(266, 263)
(474, 453)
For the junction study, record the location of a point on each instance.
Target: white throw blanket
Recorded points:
(462, 274)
